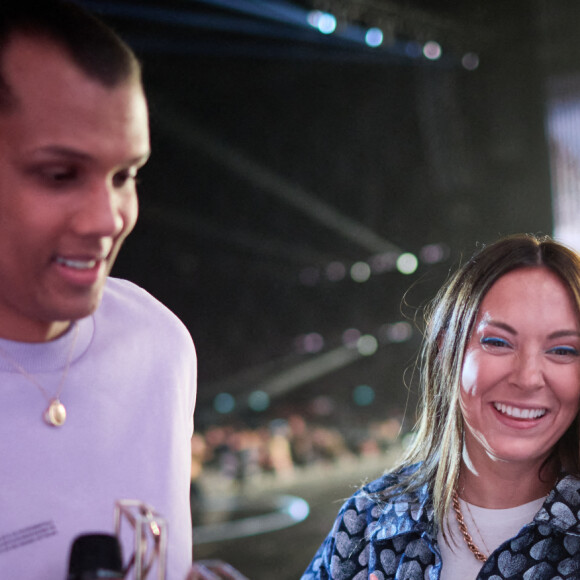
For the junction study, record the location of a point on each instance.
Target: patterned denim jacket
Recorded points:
(398, 540)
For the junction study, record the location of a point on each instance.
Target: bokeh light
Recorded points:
(396, 332)
(407, 263)
(335, 271)
(323, 21)
(259, 401)
(434, 253)
(374, 37)
(470, 61)
(432, 50)
(360, 272)
(309, 343)
(224, 403)
(363, 395)
(350, 337)
(367, 345)
(383, 262)
(323, 406)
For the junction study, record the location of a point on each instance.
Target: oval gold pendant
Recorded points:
(55, 415)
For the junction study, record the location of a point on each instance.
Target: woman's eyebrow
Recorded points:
(563, 333)
(498, 324)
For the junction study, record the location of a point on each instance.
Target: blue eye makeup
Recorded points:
(564, 350)
(493, 341)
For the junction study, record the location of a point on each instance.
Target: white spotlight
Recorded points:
(432, 50)
(407, 263)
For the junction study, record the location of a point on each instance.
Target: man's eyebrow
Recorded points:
(62, 151)
(69, 152)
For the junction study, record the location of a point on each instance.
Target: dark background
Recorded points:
(250, 111)
(278, 151)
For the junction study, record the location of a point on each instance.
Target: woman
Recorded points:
(490, 488)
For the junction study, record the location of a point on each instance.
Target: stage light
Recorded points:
(323, 21)
(335, 271)
(313, 342)
(322, 406)
(309, 343)
(350, 337)
(224, 403)
(383, 262)
(470, 61)
(259, 401)
(298, 509)
(432, 50)
(367, 345)
(360, 272)
(374, 37)
(363, 395)
(396, 332)
(434, 253)
(407, 263)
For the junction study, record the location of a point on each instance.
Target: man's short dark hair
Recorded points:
(91, 45)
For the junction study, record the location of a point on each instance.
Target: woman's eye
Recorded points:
(492, 341)
(564, 351)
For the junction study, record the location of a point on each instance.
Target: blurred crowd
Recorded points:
(239, 454)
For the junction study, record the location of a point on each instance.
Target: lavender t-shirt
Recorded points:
(129, 395)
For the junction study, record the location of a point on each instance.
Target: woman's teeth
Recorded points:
(519, 413)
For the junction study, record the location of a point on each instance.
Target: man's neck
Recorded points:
(33, 332)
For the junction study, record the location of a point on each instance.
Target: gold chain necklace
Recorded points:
(55, 413)
(479, 555)
(477, 527)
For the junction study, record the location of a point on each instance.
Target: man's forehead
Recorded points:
(31, 49)
(59, 105)
(30, 58)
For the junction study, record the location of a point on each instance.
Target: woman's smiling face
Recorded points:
(520, 381)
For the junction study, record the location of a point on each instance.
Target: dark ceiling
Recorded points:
(282, 155)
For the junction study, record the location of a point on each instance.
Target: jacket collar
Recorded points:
(560, 510)
(410, 513)
(413, 512)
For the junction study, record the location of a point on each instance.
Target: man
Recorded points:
(97, 378)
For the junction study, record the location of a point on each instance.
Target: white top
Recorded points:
(489, 528)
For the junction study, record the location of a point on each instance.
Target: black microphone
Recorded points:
(95, 556)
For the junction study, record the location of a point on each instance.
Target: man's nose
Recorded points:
(99, 212)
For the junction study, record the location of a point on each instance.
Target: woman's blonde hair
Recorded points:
(437, 444)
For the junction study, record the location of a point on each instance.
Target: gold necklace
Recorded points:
(479, 555)
(477, 527)
(55, 413)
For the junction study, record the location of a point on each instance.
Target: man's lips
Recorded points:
(515, 412)
(81, 270)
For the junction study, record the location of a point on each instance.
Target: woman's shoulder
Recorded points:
(391, 479)
(389, 488)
